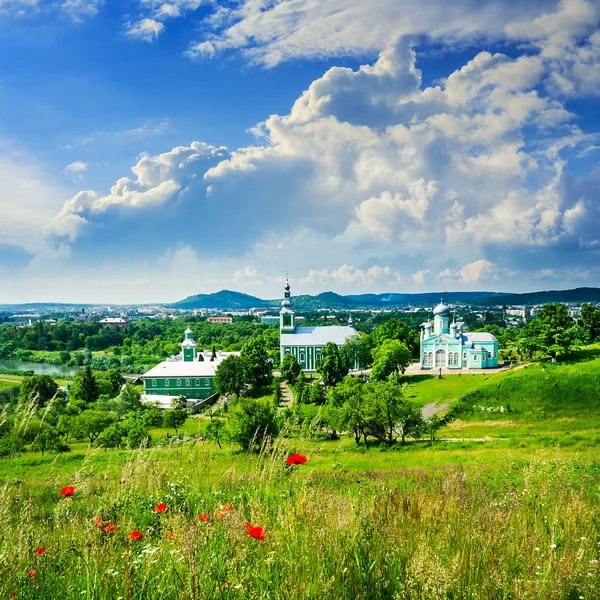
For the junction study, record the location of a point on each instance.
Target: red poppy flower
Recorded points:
(110, 527)
(135, 535)
(99, 522)
(40, 550)
(227, 507)
(255, 532)
(220, 515)
(68, 490)
(159, 508)
(203, 517)
(32, 574)
(170, 536)
(296, 459)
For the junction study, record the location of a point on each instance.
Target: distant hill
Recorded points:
(223, 300)
(583, 294)
(230, 300)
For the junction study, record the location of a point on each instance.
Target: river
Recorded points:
(38, 368)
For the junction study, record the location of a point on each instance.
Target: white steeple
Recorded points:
(287, 316)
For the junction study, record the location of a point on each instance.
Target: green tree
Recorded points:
(393, 329)
(278, 396)
(352, 413)
(231, 375)
(252, 422)
(85, 387)
(388, 413)
(174, 419)
(553, 331)
(109, 383)
(137, 432)
(589, 321)
(130, 399)
(38, 388)
(317, 394)
(48, 440)
(333, 365)
(112, 436)
(392, 356)
(215, 430)
(179, 402)
(359, 350)
(290, 369)
(90, 424)
(260, 366)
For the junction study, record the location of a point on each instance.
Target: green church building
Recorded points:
(448, 346)
(305, 344)
(190, 374)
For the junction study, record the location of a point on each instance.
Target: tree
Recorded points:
(38, 388)
(137, 432)
(85, 386)
(352, 413)
(179, 402)
(231, 375)
(111, 437)
(130, 399)
(290, 368)
(215, 430)
(48, 440)
(589, 321)
(174, 418)
(109, 383)
(317, 394)
(392, 356)
(431, 426)
(252, 422)
(358, 350)
(90, 424)
(393, 329)
(332, 366)
(388, 413)
(260, 366)
(278, 396)
(552, 331)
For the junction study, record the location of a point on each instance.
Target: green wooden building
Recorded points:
(190, 374)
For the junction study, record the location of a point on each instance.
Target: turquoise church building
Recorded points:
(446, 345)
(305, 344)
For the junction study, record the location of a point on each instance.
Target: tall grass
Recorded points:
(526, 529)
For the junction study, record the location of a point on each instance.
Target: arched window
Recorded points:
(302, 357)
(430, 360)
(440, 358)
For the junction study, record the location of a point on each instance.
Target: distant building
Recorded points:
(114, 321)
(449, 347)
(516, 312)
(215, 319)
(24, 320)
(190, 374)
(269, 319)
(305, 344)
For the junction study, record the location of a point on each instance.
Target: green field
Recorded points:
(504, 505)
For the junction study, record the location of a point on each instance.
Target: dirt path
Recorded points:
(288, 396)
(432, 408)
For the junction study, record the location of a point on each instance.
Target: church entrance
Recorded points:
(440, 358)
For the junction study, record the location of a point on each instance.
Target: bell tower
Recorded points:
(188, 346)
(287, 316)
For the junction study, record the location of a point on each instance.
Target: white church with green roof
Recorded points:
(305, 344)
(447, 345)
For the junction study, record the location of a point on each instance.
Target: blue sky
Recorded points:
(154, 149)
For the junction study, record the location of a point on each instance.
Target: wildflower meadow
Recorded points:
(282, 530)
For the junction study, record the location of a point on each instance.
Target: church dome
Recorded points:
(441, 309)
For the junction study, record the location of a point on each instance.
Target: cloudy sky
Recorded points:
(153, 149)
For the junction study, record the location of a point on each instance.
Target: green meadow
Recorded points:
(505, 504)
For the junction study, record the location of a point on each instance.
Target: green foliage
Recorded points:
(174, 419)
(552, 331)
(333, 364)
(317, 394)
(290, 369)
(112, 436)
(130, 399)
(252, 421)
(231, 375)
(260, 365)
(216, 430)
(388, 358)
(179, 402)
(278, 396)
(358, 349)
(90, 424)
(85, 387)
(38, 388)
(48, 440)
(590, 322)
